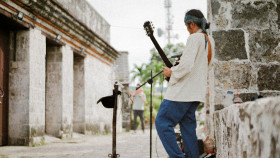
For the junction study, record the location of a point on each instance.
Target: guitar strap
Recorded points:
(209, 55)
(209, 48)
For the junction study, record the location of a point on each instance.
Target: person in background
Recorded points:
(187, 88)
(139, 100)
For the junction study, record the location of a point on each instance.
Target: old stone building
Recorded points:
(247, 45)
(56, 62)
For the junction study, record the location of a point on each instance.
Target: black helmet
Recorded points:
(108, 101)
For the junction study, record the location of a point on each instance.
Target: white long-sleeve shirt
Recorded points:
(188, 81)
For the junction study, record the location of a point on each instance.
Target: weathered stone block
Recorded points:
(215, 7)
(220, 12)
(25, 131)
(36, 141)
(221, 21)
(269, 77)
(18, 141)
(93, 128)
(246, 96)
(264, 46)
(218, 97)
(37, 131)
(278, 12)
(108, 128)
(219, 107)
(248, 130)
(229, 45)
(253, 15)
(231, 75)
(270, 94)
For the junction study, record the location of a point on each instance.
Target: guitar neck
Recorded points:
(161, 53)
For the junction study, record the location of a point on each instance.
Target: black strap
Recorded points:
(205, 41)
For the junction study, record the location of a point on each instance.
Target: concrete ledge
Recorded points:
(250, 129)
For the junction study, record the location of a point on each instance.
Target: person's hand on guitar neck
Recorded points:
(166, 71)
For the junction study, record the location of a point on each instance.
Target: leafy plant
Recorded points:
(142, 72)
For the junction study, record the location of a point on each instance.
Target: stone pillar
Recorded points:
(122, 75)
(126, 107)
(247, 48)
(27, 89)
(59, 91)
(79, 95)
(67, 91)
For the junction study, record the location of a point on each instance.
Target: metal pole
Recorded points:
(151, 113)
(114, 150)
(149, 80)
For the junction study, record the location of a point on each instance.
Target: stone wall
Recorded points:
(250, 129)
(247, 59)
(99, 82)
(247, 48)
(89, 16)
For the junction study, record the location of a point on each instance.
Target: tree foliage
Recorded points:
(142, 72)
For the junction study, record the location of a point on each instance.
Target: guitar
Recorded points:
(148, 26)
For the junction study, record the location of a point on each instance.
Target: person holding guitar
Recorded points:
(187, 88)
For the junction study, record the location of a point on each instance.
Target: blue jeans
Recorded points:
(169, 115)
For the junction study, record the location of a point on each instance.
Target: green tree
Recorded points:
(156, 62)
(138, 72)
(142, 72)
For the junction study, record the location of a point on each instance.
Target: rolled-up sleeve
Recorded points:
(186, 61)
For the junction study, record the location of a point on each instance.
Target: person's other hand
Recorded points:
(166, 71)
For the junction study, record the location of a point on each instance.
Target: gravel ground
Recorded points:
(129, 145)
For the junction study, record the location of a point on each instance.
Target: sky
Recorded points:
(126, 18)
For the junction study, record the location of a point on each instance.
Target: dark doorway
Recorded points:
(8, 24)
(53, 106)
(4, 78)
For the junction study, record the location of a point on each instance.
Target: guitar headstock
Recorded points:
(149, 28)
